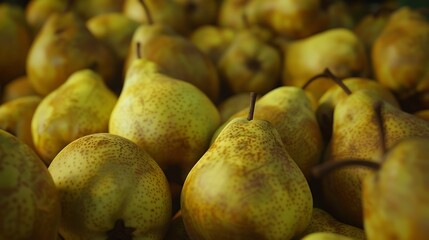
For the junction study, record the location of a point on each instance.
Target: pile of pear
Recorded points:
(214, 119)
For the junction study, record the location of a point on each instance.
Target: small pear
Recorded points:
(15, 41)
(65, 45)
(29, 198)
(110, 188)
(322, 221)
(16, 116)
(246, 186)
(171, 119)
(18, 87)
(395, 200)
(338, 49)
(81, 106)
(326, 236)
(38, 11)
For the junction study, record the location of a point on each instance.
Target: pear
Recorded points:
(16, 116)
(290, 110)
(38, 11)
(213, 40)
(18, 87)
(231, 13)
(65, 45)
(339, 14)
(171, 119)
(394, 198)
(250, 64)
(15, 42)
(157, 41)
(80, 106)
(110, 188)
(322, 221)
(232, 104)
(338, 49)
(30, 201)
(246, 186)
(400, 57)
(326, 236)
(91, 8)
(355, 135)
(115, 29)
(198, 13)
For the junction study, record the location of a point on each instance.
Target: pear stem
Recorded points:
(253, 96)
(380, 124)
(328, 74)
(147, 12)
(323, 169)
(138, 50)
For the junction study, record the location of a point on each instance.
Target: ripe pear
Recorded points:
(250, 64)
(157, 43)
(338, 49)
(80, 106)
(400, 57)
(91, 8)
(18, 87)
(356, 135)
(29, 198)
(231, 13)
(110, 188)
(326, 236)
(290, 110)
(65, 45)
(213, 40)
(246, 186)
(395, 198)
(198, 13)
(322, 221)
(38, 11)
(171, 119)
(15, 42)
(16, 116)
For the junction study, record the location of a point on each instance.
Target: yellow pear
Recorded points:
(15, 42)
(171, 119)
(338, 49)
(322, 221)
(110, 188)
(81, 106)
(16, 116)
(231, 13)
(290, 110)
(326, 236)
(38, 11)
(246, 186)
(91, 8)
(18, 87)
(29, 198)
(65, 45)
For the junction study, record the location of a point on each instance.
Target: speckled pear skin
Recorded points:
(29, 202)
(395, 198)
(81, 106)
(104, 177)
(171, 119)
(246, 186)
(322, 221)
(356, 135)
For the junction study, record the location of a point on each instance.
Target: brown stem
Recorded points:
(323, 169)
(147, 12)
(253, 96)
(328, 74)
(380, 125)
(138, 50)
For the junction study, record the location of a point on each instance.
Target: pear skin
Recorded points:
(29, 198)
(246, 186)
(110, 187)
(81, 106)
(38, 11)
(326, 236)
(18, 87)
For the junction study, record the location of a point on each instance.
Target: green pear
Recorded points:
(157, 42)
(246, 186)
(110, 188)
(18, 87)
(355, 135)
(326, 236)
(395, 201)
(171, 119)
(290, 110)
(15, 42)
(322, 221)
(338, 49)
(250, 64)
(80, 106)
(400, 57)
(30, 201)
(65, 45)
(16, 116)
